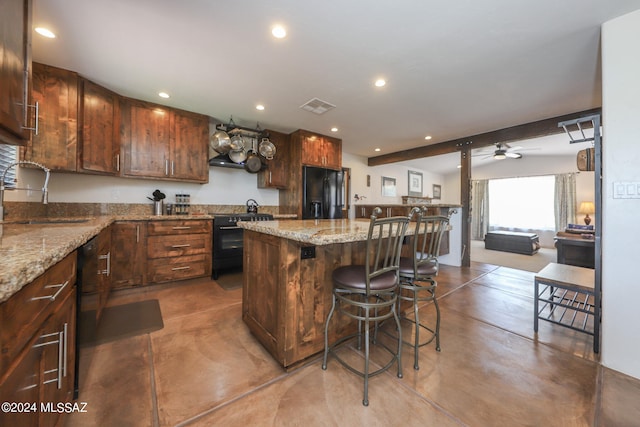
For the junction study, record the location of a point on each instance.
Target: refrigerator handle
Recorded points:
(326, 197)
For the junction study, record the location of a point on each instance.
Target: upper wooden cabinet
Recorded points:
(15, 69)
(320, 150)
(55, 145)
(190, 146)
(99, 129)
(159, 142)
(276, 173)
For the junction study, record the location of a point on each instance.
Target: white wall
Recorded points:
(373, 193)
(620, 230)
(225, 187)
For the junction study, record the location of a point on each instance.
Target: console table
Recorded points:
(565, 295)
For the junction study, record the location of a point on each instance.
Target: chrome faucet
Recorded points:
(45, 190)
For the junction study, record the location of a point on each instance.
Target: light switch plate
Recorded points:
(626, 190)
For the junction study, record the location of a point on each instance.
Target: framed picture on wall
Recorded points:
(437, 191)
(388, 186)
(415, 184)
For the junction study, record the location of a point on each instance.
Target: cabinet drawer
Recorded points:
(157, 228)
(172, 246)
(163, 270)
(25, 311)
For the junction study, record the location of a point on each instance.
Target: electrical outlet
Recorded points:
(307, 252)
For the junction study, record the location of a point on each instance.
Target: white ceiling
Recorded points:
(453, 69)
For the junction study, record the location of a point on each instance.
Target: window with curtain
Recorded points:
(526, 202)
(8, 155)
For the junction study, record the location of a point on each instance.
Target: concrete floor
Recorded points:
(204, 368)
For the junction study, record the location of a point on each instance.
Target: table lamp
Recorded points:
(587, 208)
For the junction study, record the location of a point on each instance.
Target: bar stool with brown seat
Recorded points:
(368, 293)
(417, 276)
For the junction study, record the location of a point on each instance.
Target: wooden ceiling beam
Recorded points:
(525, 131)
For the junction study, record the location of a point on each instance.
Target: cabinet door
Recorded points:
(332, 151)
(145, 139)
(22, 385)
(312, 153)
(128, 254)
(56, 143)
(190, 148)
(15, 39)
(276, 175)
(100, 138)
(58, 358)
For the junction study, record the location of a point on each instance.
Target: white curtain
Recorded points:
(479, 209)
(565, 200)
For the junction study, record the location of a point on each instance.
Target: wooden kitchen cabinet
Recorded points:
(189, 146)
(37, 361)
(320, 150)
(145, 139)
(99, 129)
(275, 175)
(128, 254)
(164, 143)
(178, 250)
(55, 145)
(96, 271)
(15, 70)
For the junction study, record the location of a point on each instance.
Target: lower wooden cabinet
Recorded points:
(128, 257)
(38, 347)
(179, 249)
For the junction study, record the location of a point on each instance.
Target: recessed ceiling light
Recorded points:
(163, 95)
(428, 137)
(279, 32)
(377, 149)
(44, 32)
(380, 83)
(260, 107)
(334, 129)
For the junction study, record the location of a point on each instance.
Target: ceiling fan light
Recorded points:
(499, 155)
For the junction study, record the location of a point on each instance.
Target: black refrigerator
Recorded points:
(322, 193)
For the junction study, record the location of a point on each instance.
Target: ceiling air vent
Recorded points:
(317, 106)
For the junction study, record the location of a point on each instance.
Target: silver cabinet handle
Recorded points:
(184, 227)
(117, 162)
(137, 234)
(36, 107)
(107, 270)
(173, 165)
(54, 296)
(270, 181)
(186, 267)
(59, 339)
(66, 345)
(166, 166)
(228, 228)
(185, 245)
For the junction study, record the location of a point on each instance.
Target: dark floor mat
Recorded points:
(118, 322)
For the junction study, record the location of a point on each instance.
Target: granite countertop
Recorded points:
(29, 247)
(316, 232)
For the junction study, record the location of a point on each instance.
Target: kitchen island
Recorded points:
(287, 282)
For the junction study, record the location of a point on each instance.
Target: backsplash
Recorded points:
(27, 210)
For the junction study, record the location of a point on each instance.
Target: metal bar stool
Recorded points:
(368, 293)
(417, 276)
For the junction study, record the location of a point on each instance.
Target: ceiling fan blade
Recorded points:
(513, 155)
(516, 148)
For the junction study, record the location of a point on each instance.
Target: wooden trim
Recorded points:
(525, 131)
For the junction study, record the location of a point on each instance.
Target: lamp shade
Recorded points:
(587, 208)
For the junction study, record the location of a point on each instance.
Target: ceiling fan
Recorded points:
(502, 151)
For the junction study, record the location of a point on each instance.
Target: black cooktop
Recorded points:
(235, 217)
